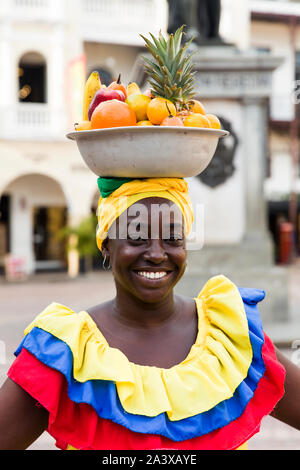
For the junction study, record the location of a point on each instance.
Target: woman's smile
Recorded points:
(153, 277)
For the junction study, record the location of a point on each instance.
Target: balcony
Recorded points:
(121, 21)
(32, 10)
(26, 121)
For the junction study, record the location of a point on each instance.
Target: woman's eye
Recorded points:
(137, 239)
(174, 239)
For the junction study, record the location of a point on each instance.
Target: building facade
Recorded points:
(47, 50)
(275, 29)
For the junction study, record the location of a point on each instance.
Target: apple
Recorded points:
(104, 94)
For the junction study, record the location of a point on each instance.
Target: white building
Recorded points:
(275, 29)
(47, 49)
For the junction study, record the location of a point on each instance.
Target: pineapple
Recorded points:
(171, 75)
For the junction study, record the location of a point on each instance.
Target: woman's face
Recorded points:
(147, 253)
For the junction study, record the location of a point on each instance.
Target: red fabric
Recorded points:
(80, 426)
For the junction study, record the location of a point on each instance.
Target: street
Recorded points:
(21, 302)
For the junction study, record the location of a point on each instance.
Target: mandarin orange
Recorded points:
(158, 109)
(195, 106)
(197, 120)
(214, 121)
(112, 113)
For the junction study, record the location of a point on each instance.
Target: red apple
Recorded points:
(104, 94)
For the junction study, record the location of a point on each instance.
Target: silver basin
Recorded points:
(150, 151)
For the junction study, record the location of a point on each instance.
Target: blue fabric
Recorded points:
(102, 395)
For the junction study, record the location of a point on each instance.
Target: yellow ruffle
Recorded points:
(215, 366)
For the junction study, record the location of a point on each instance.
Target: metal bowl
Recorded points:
(148, 151)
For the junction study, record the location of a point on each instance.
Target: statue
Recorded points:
(201, 17)
(222, 166)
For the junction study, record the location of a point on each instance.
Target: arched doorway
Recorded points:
(32, 73)
(33, 209)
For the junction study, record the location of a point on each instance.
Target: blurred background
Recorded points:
(249, 76)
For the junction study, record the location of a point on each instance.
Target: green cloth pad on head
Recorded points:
(109, 185)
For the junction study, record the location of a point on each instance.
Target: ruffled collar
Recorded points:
(215, 366)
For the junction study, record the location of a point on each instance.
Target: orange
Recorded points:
(144, 123)
(158, 109)
(196, 120)
(112, 113)
(214, 121)
(196, 107)
(172, 121)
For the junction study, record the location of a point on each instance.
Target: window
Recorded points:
(32, 78)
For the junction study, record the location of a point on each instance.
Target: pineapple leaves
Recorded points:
(171, 72)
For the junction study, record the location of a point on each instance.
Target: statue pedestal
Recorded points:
(235, 86)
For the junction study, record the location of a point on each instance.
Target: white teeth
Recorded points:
(152, 275)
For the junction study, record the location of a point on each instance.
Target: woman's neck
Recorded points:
(131, 311)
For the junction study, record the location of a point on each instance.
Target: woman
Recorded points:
(148, 369)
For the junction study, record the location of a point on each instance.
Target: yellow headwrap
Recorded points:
(111, 207)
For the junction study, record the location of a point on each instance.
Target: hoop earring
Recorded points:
(106, 268)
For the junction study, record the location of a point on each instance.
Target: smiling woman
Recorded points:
(148, 369)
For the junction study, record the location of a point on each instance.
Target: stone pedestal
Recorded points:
(235, 86)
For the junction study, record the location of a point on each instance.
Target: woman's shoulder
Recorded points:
(54, 314)
(60, 322)
(220, 290)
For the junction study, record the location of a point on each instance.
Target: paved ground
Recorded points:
(21, 302)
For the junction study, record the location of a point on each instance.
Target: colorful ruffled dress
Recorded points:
(98, 399)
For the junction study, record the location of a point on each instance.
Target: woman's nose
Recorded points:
(155, 252)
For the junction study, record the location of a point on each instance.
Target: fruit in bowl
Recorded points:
(139, 104)
(112, 113)
(169, 100)
(104, 94)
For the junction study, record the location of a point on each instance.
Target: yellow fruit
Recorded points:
(158, 110)
(144, 123)
(214, 121)
(139, 104)
(132, 89)
(196, 120)
(83, 126)
(196, 107)
(92, 85)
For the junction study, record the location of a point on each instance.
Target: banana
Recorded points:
(133, 89)
(92, 85)
(83, 126)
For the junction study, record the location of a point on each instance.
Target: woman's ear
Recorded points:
(105, 248)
